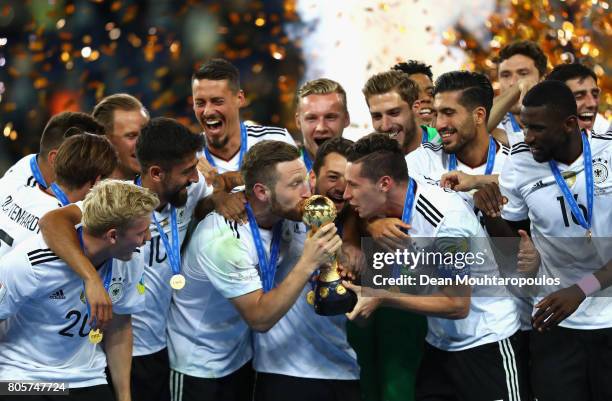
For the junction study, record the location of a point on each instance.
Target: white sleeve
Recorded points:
(131, 301)
(225, 261)
(457, 234)
(288, 138)
(516, 209)
(18, 283)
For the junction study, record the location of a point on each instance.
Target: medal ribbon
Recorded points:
(267, 269)
(452, 162)
(243, 145)
(567, 194)
(307, 161)
(173, 251)
(406, 217)
(515, 125)
(37, 173)
(59, 194)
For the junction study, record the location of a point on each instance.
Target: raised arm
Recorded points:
(57, 228)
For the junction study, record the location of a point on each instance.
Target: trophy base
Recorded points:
(332, 298)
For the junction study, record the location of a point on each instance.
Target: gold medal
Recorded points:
(569, 177)
(324, 292)
(95, 336)
(589, 234)
(177, 281)
(141, 288)
(340, 289)
(310, 297)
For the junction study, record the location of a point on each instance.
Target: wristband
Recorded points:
(589, 284)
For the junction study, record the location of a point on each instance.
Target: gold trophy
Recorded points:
(329, 296)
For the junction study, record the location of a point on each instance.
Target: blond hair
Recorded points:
(116, 204)
(388, 81)
(321, 86)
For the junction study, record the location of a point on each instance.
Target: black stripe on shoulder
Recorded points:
(606, 137)
(267, 133)
(233, 225)
(505, 149)
(519, 147)
(432, 146)
(517, 151)
(39, 251)
(40, 261)
(431, 206)
(136, 250)
(426, 215)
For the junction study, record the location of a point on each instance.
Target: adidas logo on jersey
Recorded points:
(58, 295)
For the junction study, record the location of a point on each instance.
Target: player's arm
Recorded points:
(118, 349)
(57, 228)
(502, 105)
(556, 307)
(463, 182)
(262, 310)
(229, 205)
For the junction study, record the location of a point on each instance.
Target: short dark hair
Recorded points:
(414, 67)
(219, 69)
(379, 156)
(565, 72)
(54, 133)
(388, 81)
(259, 164)
(82, 158)
(476, 89)
(338, 145)
(166, 142)
(556, 96)
(526, 48)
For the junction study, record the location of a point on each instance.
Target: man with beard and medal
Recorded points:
(167, 153)
(45, 332)
(245, 278)
(552, 187)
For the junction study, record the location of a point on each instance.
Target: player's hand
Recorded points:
(555, 307)
(458, 181)
(388, 233)
(365, 306)
(228, 181)
(207, 170)
(230, 205)
(322, 247)
(524, 85)
(351, 261)
(528, 256)
(490, 200)
(100, 304)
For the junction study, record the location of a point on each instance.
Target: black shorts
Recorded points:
(151, 377)
(570, 364)
(274, 387)
(102, 392)
(488, 372)
(237, 386)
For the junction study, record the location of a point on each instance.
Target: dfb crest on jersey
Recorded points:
(600, 170)
(115, 290)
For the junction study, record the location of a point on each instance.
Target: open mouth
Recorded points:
(319, 141)
(213, 124)
(587, 117)
(425, 112)
(447, 135)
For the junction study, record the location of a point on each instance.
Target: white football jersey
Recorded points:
(601, 125)
(255, 134)
(302, 343)
(439, 213)
(20, 212)
(45, 334)
(430, 161)
(515, 135)
(533, 194)
(18, 175)
(207, 337)
(149, 326)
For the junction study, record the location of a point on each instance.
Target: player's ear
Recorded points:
(384, 184)
(480, 116)
(261, 192)
(156, 173)
(312, 180)
(112, 235)
(570, 124)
